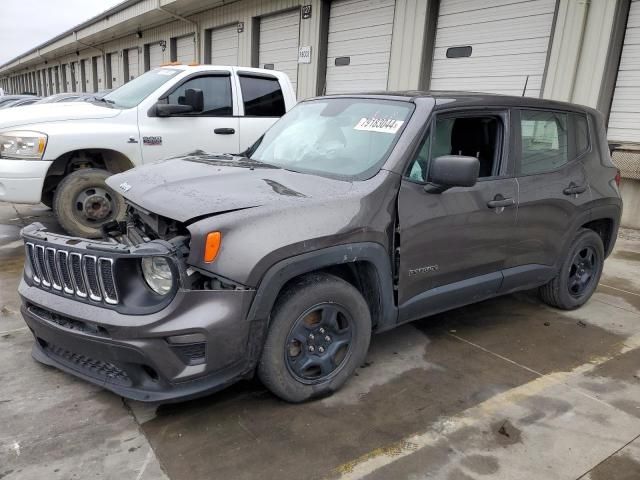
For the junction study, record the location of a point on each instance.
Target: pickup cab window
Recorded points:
(216, 90)
(262, 96)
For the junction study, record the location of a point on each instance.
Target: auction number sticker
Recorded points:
(381, 125)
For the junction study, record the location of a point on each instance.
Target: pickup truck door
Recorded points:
(214, 130)
(452, 246)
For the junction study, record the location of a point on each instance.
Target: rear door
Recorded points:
(214, 130)
(454, 245)
(552, 182)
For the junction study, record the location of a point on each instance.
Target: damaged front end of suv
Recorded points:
(129, 314)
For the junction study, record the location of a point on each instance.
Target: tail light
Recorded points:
(618, 177)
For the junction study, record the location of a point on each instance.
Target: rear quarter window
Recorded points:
(262, 96)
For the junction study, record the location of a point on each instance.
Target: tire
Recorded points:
(83, 203)
(313, 299)
(562, 291)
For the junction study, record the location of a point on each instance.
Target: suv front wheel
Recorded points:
(319, 334)
(579, 274)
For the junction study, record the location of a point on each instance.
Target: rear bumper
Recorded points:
(21, 181)
(131, 354)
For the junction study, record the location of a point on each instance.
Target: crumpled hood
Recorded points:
(53, 112)
(199, 185)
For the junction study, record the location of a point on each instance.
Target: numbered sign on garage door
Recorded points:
(359, 45)
(133, 64)
(156, 57)
(624, 121)
(492, 46)
(224, 46)
(279, 38)
(185, 50)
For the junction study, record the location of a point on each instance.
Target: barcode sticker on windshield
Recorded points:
(381, 125)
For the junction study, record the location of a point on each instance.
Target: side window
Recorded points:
(262, 96)
(479, 137)
(582, 133)
(544, 141)
(216, 90)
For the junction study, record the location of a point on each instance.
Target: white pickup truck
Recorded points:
(61, 153)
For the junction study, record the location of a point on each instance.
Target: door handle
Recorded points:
(224, 131)
(500, 202)
(574, 189)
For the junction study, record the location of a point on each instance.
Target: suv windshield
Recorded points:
(339, 137)
(132, 93)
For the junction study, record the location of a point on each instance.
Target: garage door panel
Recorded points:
(185, 49)
(279, 40)
(155, 56)
(365, 46)
(498, 66)
(358, 7)
(512, 85)
(521, 11)
(357, 60)
(504, 30)
(456, 6)
(371, 33)
(133, 63)
(286, 44)
(362, 20)
(515, 47)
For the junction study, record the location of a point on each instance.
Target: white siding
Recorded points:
(224, 46)
(185, 49)
(509, 42)
(624, 120)
(133, 63)
(279, 40)
(360, 30)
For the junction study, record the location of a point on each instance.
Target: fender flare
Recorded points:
(280, 273)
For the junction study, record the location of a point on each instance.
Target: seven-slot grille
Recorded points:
(74, 273)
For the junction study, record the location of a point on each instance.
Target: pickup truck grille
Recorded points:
(73, 273)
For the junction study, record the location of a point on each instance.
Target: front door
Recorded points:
(453, 245)
(214, 130)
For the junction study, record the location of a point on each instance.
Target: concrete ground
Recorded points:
(506, 389)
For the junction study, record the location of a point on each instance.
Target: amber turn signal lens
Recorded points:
(212, 246)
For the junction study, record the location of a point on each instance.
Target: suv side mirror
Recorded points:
(452, 171)
(192, 102)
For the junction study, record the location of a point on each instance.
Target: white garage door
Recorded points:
(185, 50)
(492, 46)
(624, 120)
(155, 56)
(116, 76)
(133, 64)
(359, 45)
(279, 36)
(224, 46)
(102, 84)
(75, 76)
(87, 70)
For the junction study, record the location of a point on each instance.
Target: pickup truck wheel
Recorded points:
(579, 274)
(319, 334)
(83, 202)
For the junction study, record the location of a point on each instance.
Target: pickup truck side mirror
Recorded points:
(191, 102)
(452, 171)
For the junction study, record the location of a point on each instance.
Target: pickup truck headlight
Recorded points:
(157, 273)
(23, 145)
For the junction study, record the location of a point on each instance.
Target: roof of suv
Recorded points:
(471, 99)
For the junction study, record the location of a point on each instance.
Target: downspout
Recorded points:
(104, 56)
(196, 27)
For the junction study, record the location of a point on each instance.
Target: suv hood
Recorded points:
(53, 112)
(201, 185)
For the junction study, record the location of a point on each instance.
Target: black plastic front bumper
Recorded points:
(130, 354)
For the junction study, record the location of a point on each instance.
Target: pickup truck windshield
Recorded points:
(339, 137)
(132, 93)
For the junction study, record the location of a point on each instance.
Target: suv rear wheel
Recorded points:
(83, 202)
(319, 334)
(579, 274)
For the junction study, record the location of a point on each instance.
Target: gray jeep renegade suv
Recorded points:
(353, 214)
